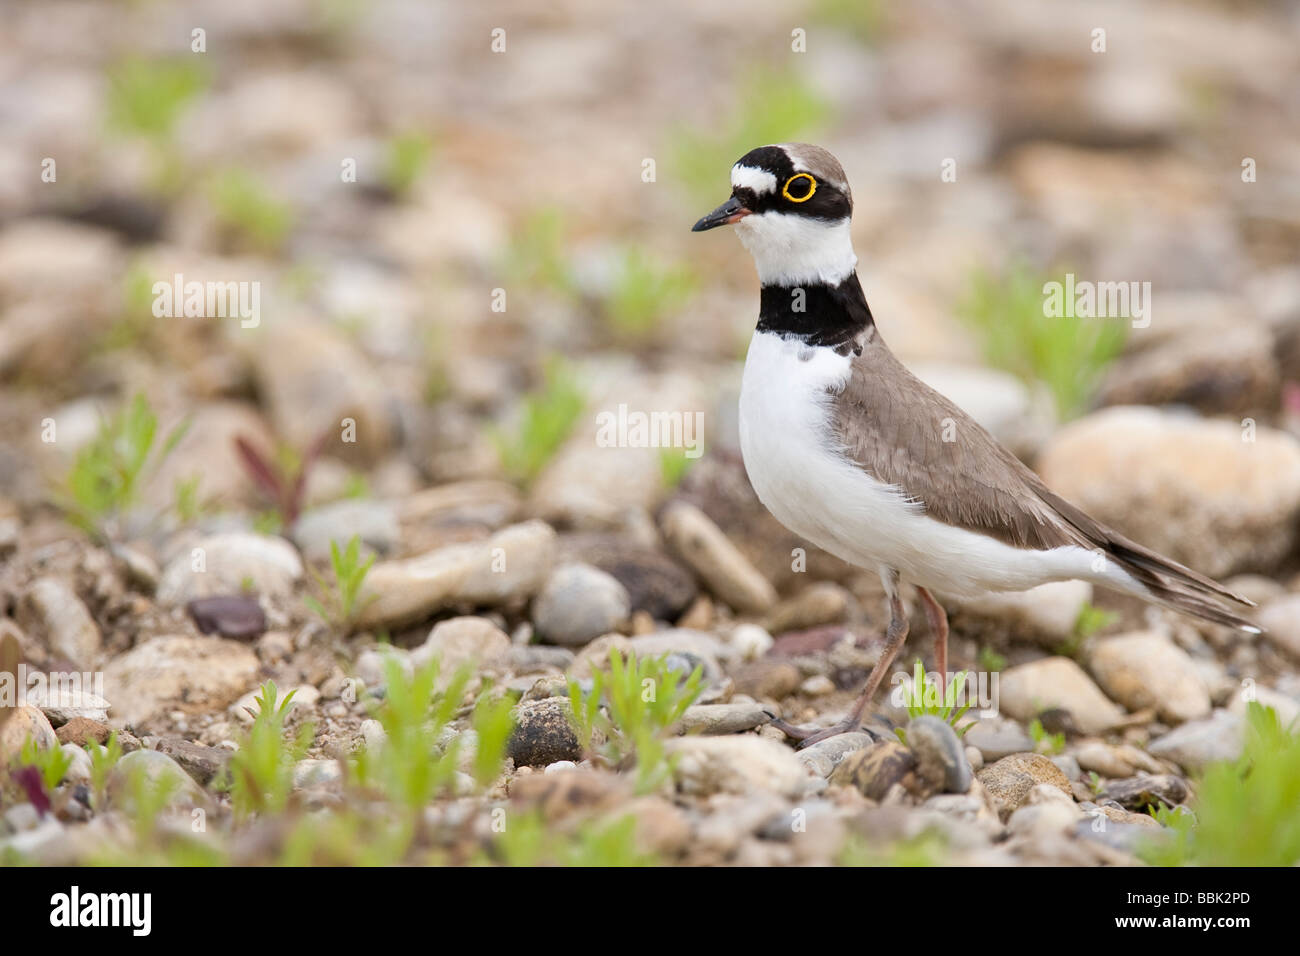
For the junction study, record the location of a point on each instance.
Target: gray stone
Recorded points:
(191, 674)
(738, 764)
(375, 522)
(230, 563)
(1198, 743)
(722, 718)
(510, 566)
(579, 603)
(158, 771)
(940, 757)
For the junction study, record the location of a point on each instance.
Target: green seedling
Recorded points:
(106, 474)
(1045, 743)
(252, 217)
(634, 705)
(1067, 354)
(546, 421)
(260, 776)
(341, 601)
(922, 699)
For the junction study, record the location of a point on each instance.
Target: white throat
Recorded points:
(791, 250)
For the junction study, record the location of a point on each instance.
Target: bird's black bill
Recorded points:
(729, 212)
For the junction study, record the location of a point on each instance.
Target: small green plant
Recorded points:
(412, 766)
(52, 762)
(643, 293)
(147, 97)
(673, 465)
(990, 660)
(529, 841)
(103, 758)
(106, 474)
(1067, 354)
(252, 217)
(546, 420)
(537, 255)
(1245, 810)
(922, 699)
(1045, 743)
(340, 599)
(865, 20)
(493, 722)
(405, 157)
(927, 848)
(1090, 620)
(633, 705)
(776, 107)
(261, 770)
(1095, 783)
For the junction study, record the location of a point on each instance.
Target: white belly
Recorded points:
(812, 488)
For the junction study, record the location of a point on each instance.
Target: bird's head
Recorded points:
(791, 206)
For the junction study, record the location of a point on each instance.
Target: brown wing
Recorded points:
(904, 433)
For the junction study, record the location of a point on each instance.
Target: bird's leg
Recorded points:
(938, 618)
(894, 638)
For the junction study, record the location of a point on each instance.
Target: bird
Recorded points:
(852, 452)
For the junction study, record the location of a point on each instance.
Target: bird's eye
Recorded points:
(799, 187)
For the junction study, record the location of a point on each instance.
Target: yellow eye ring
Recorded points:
(812, 187)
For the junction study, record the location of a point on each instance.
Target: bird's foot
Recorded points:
(807, 736)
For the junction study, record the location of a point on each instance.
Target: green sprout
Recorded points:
(1067, 354)
(1245, 809)
(103, 758)
(922, 699)
(643, 293)
(260, 776)
(52, 762)
(105, 478)
(406, 157)
(1045, 743)
(547, 419)
(248, 212)
(340, 600)
(634, 705)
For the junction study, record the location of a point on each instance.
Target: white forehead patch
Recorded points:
(748, 177)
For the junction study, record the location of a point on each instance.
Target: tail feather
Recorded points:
(1162, 580)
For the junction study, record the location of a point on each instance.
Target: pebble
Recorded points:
(749, 641)
(819, 685)
(1112, 761)
(1045, 614)
(68, 702)
(510, 566)
(940, 758)
(1010, 780)
(461, 640)
(655, 583)
(722, 718)
(230, 615)
(312, 773)
(821, 603)
(55, 610)
(824, 756)
(83, 730)
(159, 770)
(374, 522)
(1198, 743)
(1146, 669)
(1286, 706)
(740, 764)
(25, 721)
(877, 769)
(191, 674)
(1186, 487)
(232, 562)
(543, 733)
(578, 603)
(767, 679)
(997, 737)
(1280, 620)
(1146, 790)
(702, 546)
(204, 764)
(1027, 690)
